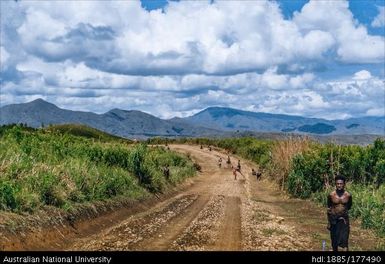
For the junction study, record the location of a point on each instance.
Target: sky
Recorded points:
(317, 58)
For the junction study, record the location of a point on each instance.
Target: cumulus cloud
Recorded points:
(379, 20)
(81, 88)
(193, 37)
(354, 96)
(4, 55)
(362, 75)
(98, 55)
(353, 43)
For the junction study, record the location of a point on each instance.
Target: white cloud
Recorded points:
(274, 81)
(195, 37)
(380, 111)
(4, 56)
(315, 44)
(362, 75)
(40, 24)
(98, 55)
(301, 81)
(354, 96)
(353, 43)
(379, 20)
(96, 13)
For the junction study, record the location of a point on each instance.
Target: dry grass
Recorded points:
(282, 154)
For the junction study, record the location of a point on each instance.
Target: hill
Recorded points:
(211, 122)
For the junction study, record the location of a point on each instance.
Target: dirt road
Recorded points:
(220, 213)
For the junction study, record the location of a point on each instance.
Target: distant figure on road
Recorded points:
(209, 148)
(234, 172)
(239, 167)
(166, 171)
(228, 162)
(257, 174)
(201, 147)
(339, 202)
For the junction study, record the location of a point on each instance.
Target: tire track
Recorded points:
(203, 231)
(229, 237)
(164, 239)
(137, 228)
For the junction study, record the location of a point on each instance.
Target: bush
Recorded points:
(8, 191)
(379, 172)
(49, 189)
(136, 164)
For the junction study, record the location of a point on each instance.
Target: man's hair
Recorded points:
(340, 177)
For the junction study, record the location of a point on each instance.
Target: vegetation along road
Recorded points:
(218, 212)
(211, 211)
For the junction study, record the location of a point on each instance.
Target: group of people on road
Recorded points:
(238, 168)
(339, 203)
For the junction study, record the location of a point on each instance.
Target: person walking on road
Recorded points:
(239, 167)
(234, 172)
(228, 162)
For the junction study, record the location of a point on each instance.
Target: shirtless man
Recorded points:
(234, 172)
(339, 202)
(228, 162)
(239, 167)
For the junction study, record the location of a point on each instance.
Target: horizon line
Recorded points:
(200, 111)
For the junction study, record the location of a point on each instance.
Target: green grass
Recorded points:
(51, 168)
(84, 131)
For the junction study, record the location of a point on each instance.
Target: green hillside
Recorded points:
(84, 131)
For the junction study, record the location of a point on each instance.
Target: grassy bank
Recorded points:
(56, 168)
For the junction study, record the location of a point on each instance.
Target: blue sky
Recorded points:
(310, 58)
(363, 10)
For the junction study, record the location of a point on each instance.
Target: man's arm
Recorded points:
(350, 202)
(329, 201)
(328, 211)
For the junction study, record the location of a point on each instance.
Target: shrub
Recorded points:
(8, 191)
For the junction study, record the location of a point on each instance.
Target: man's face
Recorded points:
(340, 184)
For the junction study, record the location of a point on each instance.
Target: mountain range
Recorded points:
(211, 122)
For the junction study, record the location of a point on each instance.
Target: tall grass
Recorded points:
(282, 155)
(39, 168)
